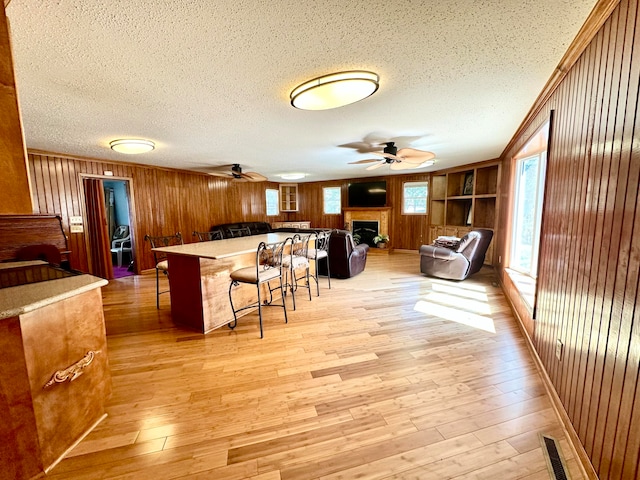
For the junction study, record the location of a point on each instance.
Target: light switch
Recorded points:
(77, 229)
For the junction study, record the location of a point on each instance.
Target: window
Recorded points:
(414, 197)
(332, 200)
(272, 201)
(530, 167)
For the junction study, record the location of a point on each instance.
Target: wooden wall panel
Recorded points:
(164, 201)
(590, 253)
(405, 231)
(14, 181)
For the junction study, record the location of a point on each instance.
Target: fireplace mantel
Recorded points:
(365, 209)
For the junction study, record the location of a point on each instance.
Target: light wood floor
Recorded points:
(387, 375)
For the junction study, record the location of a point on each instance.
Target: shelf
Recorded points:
(485, 196)
(437, 212)
(460, 183)
(485, 214)
(288, 197)
(463, 200)
(439, 187)
(487, 180)
(461, 197)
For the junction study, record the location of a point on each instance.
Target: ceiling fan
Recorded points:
(234, 172)
(399, 159)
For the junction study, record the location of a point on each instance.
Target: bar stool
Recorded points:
(320, 252)
(208, 236)
(295, 260)
(162, 265)
(268, 267)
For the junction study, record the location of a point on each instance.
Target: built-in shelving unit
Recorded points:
(288, 197)
(464, 199)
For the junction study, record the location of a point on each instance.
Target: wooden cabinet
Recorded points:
(464, 199)
(305, 225)
(55, 371)
(288, 197)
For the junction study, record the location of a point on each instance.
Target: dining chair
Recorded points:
(208, 236)
(268, 267)
(240, 232)
(162, 265)
(293, 261)
(320, 251)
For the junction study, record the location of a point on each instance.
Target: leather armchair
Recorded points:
(459, 263)
(346, 259)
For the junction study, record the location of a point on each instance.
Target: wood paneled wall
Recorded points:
(405, 231)
(14, 182)
(164, 201)
(588, 294)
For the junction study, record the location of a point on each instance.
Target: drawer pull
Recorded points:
(73, 371)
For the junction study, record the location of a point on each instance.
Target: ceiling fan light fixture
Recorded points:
(335, 90)
(132, 146)
(292, 176)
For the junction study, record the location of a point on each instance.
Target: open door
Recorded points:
(98, 239)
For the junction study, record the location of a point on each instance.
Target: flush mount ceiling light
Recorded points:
(334, 90)
(292, 176)
(132, 146)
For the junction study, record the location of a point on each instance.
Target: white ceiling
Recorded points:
(209, 81)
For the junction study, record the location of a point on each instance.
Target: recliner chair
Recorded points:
(346, 259)
(458, 263)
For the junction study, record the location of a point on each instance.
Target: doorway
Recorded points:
(119, 226)
(109, 236)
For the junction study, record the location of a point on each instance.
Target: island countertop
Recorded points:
(228, 247)
(21, 299)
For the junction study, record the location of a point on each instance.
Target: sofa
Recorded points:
(229, 230)
(346, 259)
(254, 228)
(458, 262)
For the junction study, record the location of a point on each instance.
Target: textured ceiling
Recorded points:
(209, 81)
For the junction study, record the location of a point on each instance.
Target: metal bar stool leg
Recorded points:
(157, 289)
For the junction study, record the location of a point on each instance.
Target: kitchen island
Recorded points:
(54, 374)
(199, 279)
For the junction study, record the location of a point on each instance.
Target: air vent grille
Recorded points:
(554, 458)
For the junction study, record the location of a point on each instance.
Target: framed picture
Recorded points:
(470, 215)
(468, 184)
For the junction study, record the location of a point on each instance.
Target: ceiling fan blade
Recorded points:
(218, 173)
(217, 168)
(377, 165)
(361, 147)
(254, 177)
(404, 166)
(415, 156)
(368, 160)
(388, 155)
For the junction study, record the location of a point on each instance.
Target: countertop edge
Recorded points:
(15, 301)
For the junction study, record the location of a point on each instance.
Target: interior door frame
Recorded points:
(132, 213)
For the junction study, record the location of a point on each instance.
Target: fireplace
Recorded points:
(372, 222)
(366, 230)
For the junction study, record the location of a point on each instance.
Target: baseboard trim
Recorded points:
(583, 460)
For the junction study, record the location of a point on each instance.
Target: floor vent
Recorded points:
(552, 453)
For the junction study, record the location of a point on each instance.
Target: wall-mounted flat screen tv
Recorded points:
(368, 194)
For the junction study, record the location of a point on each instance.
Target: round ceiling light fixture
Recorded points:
(132, 146)
(335, 90)
(292, 176)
